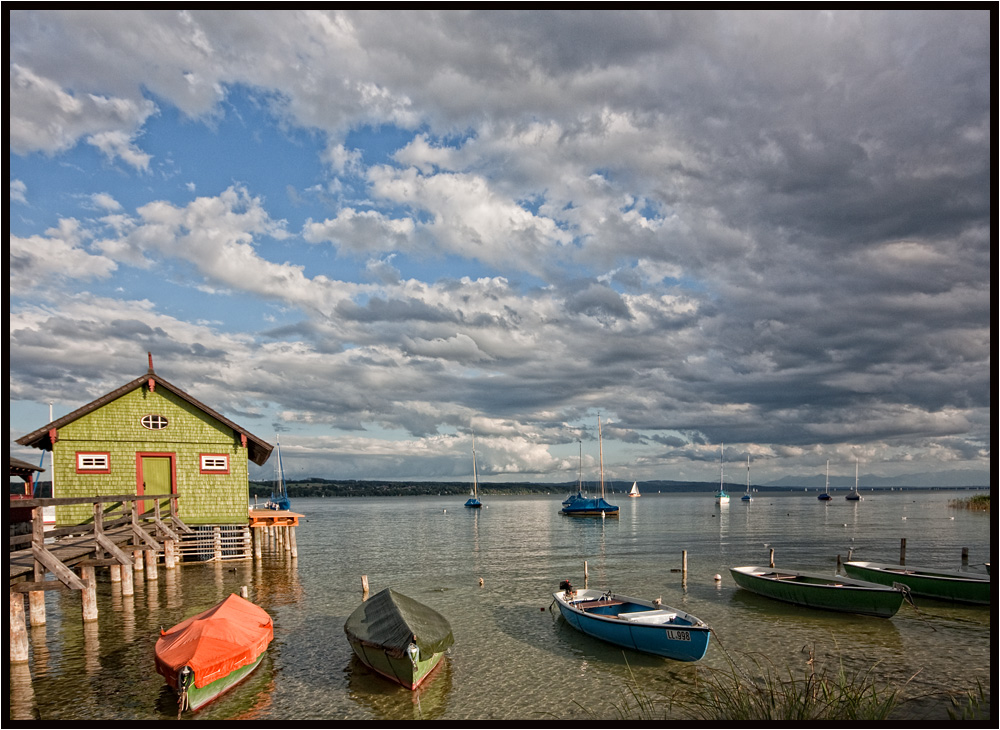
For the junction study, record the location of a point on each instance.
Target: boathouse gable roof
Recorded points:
(258, 450)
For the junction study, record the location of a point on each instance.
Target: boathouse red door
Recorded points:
(155, 475)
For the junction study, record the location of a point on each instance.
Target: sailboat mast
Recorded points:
(722, 467)
(475, 473)
(600, 442)
(748, 473)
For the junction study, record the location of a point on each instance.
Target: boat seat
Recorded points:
(655, 616)
(597, 603)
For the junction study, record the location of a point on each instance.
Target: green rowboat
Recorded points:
(398, 637)
(945, 585)
(820, 591)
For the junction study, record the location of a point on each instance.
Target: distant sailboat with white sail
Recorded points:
(634, 491)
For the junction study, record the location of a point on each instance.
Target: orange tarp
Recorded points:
(215, 642)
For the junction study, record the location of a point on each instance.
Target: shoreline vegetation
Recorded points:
(317, 487)
(978, 503)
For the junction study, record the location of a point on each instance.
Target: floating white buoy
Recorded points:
(602, 514)
(718, 577)
(480, 582)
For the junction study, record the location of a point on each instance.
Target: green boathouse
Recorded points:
(150, 437)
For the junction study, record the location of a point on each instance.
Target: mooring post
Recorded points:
(771, 558)
(151, 565)
(293, 545)
(18, 631)
(586, 574)
(258, 539)
(965, 558)
(244, 592)
(838, 564)
(684, 563)
(364, 586)
(902, 551)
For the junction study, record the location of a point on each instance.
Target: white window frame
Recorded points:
(154, 422)
(214, 463)
(93, 462)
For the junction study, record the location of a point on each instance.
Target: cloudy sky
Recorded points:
(375, 232)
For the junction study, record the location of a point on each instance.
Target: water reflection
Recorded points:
(388, 701)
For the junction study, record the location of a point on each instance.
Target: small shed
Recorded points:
(150, 437)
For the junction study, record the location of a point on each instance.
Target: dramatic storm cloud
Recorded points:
(376, 232)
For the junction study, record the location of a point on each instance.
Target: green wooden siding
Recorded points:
(115, 429)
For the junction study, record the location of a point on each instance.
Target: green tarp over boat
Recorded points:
(392, 621)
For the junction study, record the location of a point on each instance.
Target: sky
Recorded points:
(373, 234)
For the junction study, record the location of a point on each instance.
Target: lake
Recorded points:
(514, 658)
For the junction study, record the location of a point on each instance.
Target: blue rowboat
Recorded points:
(634, 623)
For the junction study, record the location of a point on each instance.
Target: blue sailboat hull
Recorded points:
(590, 507)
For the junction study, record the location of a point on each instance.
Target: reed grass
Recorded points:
(755, 690)
(978, 503)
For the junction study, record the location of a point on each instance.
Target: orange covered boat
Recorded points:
(207, 654)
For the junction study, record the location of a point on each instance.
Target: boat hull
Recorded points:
(198, 697)
(682, 638)
(588, 507)
(401, 670)
(926, 582)
(822, 592)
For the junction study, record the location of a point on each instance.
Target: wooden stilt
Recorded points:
(293, 545)
(169, 554)
(258, 539)
(128, 584)
(36, 608)
(88, 596)
(684, 562)
(217, 542)
(18, 631)
(115, 572)
(151, 565)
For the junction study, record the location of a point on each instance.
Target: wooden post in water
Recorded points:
(965, 558)
(151, 565)
(18, 632)
(244, 593)
(684, 563)
(247, 543)
(838, 563)
(292, 544)
(217, 542)
(258, 539)
(771, 558)
(902, 551)
(586, 574)
(88, 595)
(128, 583)
(36, 599)
(364, 587)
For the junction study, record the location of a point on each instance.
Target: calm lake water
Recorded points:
(514, 658)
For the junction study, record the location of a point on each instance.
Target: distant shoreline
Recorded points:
(315, 487)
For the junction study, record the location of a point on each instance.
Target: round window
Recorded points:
(153, 422)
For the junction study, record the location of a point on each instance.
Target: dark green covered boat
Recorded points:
(945, 585)
(831, 593)
(398, 637)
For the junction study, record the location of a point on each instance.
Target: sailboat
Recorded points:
(721, 498)
(634, 491)
(825, 494)
(746, 496)
(593, 507)
(279, 496)
(855, 495)
(473, 500)
(579, 483)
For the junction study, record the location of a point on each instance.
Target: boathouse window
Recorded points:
(91, 463)
(214, 464)
(154, 422)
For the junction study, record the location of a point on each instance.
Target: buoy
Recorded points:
(718, 577)
(480, 582)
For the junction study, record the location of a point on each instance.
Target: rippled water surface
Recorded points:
(513, 657)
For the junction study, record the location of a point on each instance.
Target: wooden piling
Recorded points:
(684, 563)
(364, 585)
(151, 573)
(293, 545)
(586, 574)
(88, 596)
(258, 539)
(36, 599)
(902, 551)
(771, 558)
(128, 582)
(965, 558)
(244, 592)
(18, 631)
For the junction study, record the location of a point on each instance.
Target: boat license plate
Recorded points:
(675, 635)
